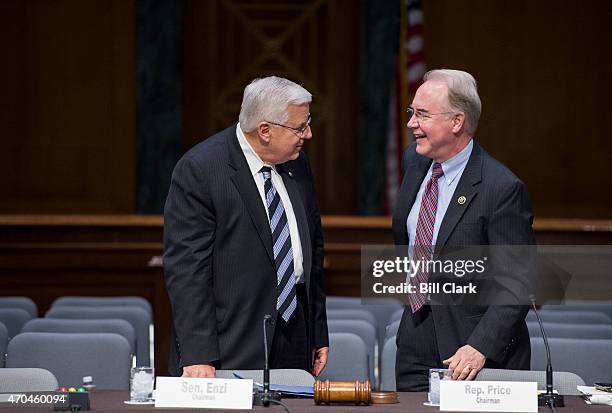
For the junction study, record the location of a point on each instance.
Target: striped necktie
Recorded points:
(423, 250)
(286, 301)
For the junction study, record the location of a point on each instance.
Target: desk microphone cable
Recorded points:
(287, 409)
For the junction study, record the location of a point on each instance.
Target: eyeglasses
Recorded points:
(299, 131)
(422, 115)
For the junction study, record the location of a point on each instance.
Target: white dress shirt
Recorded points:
(255, 164)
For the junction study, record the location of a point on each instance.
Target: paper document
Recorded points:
(302, 391)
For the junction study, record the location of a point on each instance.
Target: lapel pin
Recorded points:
(290, 174)
(461, 200)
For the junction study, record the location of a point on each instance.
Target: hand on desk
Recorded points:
(465, 363)
(199, 370)
(319, 356)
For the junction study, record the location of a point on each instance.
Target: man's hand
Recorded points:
(465, 363)
(319, 356)
(199, 370)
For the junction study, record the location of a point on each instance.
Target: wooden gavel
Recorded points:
(357, 392)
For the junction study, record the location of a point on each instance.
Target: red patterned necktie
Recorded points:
(423, 250)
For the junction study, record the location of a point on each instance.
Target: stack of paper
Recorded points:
(593, 396)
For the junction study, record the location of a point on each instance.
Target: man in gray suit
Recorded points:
(243, 239)
(455, 194)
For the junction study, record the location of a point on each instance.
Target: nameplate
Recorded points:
(488, 396)
(204, 393)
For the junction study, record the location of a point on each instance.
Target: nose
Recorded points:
(412, 122)
(308, 133)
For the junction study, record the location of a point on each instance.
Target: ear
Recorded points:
(263, 131)
(458, 122)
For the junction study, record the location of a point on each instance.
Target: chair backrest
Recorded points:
(347, 359)
(136, 316)
(562, 330)
(591, 359)
(392, 329)
(352, 314)
(396, 316)
(380, 307)
(363, 329)
(387, 365)
(334, 302)
(581, 305)
(572, 317)
(61, 325)
(26, 379)
(25, 303)
(70, 357)
(3, 343)
(13, 319)
(564, 382)
(119, 301)
(286, 377)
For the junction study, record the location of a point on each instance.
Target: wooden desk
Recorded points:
(112, 401)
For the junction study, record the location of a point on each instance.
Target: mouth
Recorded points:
(418, 137)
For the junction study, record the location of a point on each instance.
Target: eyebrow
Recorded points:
(418, 109)
(306, 121)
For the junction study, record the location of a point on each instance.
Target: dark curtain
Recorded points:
(159, 56)
(379, 38)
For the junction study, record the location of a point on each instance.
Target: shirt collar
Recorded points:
(453, 166)
(253, 160)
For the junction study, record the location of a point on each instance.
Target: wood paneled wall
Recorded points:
(542, 70)
(541, 67)
(68, 112)
(67, 106)
(228, 43)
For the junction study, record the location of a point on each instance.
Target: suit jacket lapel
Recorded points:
(300, 216)
(415, 172)
(471, 176)
(243, 180)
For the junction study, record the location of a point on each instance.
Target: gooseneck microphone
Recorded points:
(265, 396)
(549, 398)
(266, 372)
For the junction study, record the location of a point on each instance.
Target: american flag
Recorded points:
(408, 76)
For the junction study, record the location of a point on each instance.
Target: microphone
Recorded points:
(549, 398)
(266, 372)
(263, 398)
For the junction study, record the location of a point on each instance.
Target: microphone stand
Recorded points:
(265, 396)
(549, 398)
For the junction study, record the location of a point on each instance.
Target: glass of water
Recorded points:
(435, 375)
(141, 384)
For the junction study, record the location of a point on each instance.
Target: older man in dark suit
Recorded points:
(455, 194)
(243, 239)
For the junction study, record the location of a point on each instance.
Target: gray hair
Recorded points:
(462, 93)
(267, 99)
